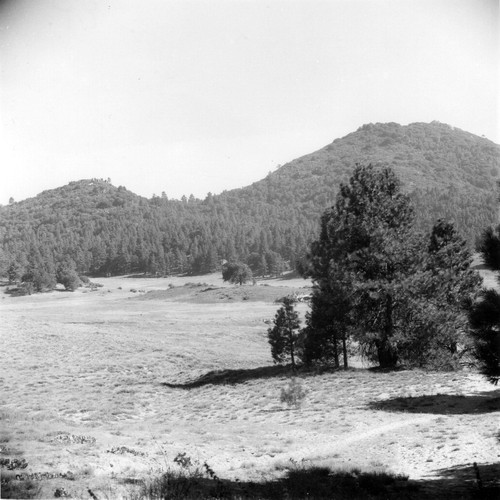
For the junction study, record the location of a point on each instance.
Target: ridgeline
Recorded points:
(100, 228)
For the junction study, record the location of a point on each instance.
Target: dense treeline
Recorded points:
(96, 228)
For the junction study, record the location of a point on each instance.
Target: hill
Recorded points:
(99, 228)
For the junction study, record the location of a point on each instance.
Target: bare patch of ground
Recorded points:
(202, 293)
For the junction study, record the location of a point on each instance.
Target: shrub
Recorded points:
(40, 279)
(293, 394)
(69, 279)
(13, 488)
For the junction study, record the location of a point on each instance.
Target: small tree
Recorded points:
(14, 272)
(66, 274)
(70, 279)
(329, 321)
(489, 247)
(484, 319)
(236, 273)
(41, 280)
(283, 337)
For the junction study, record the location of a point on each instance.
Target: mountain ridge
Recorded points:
(448, 172)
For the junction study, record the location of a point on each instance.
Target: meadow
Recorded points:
(103, 389)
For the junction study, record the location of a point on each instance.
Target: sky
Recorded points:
(190, 96)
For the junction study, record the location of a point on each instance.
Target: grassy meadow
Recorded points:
(96, 394)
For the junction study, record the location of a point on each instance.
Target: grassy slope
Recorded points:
(94, 364)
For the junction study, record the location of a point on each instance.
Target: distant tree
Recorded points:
(70, 280)
(484, 319)
(236, 273)
(40, 280)
(14, 272)
(284, 335)
(275, 263)
(11, 200)
(254, 263)
(489, 247)
(205, 262)
(67, 275)
(4, 263)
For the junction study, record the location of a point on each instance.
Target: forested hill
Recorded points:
(100, 228)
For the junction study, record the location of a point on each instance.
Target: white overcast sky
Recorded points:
(197, 96)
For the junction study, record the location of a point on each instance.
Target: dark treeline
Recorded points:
(101, 229)
(95, 228)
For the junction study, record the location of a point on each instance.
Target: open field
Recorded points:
(85, 393)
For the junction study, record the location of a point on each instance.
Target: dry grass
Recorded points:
(83, 390)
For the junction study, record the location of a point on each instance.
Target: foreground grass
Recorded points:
(102, 390)
(315, 482)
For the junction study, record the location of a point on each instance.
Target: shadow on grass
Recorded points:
(239, 376)
(312, 483)
(442, 404)
(481, 482)
(219, 377)
(462, 482)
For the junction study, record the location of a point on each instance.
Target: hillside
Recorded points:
(100, 228)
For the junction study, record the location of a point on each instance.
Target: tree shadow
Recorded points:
(442, 404)
(474, 481)
(231, 377)
(239, 376)
(466, 481)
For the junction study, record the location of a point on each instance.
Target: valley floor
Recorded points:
(83, 393)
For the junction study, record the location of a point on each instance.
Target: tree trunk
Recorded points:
(387, 357)
(336, 351)
(344, 350)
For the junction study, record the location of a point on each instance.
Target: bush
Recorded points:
(70, 280)
(190, 481)
(293, 394)
(13, 488)
(40, 279)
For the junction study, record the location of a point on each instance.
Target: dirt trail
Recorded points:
(334, 446)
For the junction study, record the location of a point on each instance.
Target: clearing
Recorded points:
(95, 393)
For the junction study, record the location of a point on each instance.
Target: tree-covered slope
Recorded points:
(450, 173)
(101, 228)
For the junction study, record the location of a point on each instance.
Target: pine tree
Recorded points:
(365, 236)
(484, 319)
(329, 322)
(489, 247)
(283, 337)
(402, 294)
